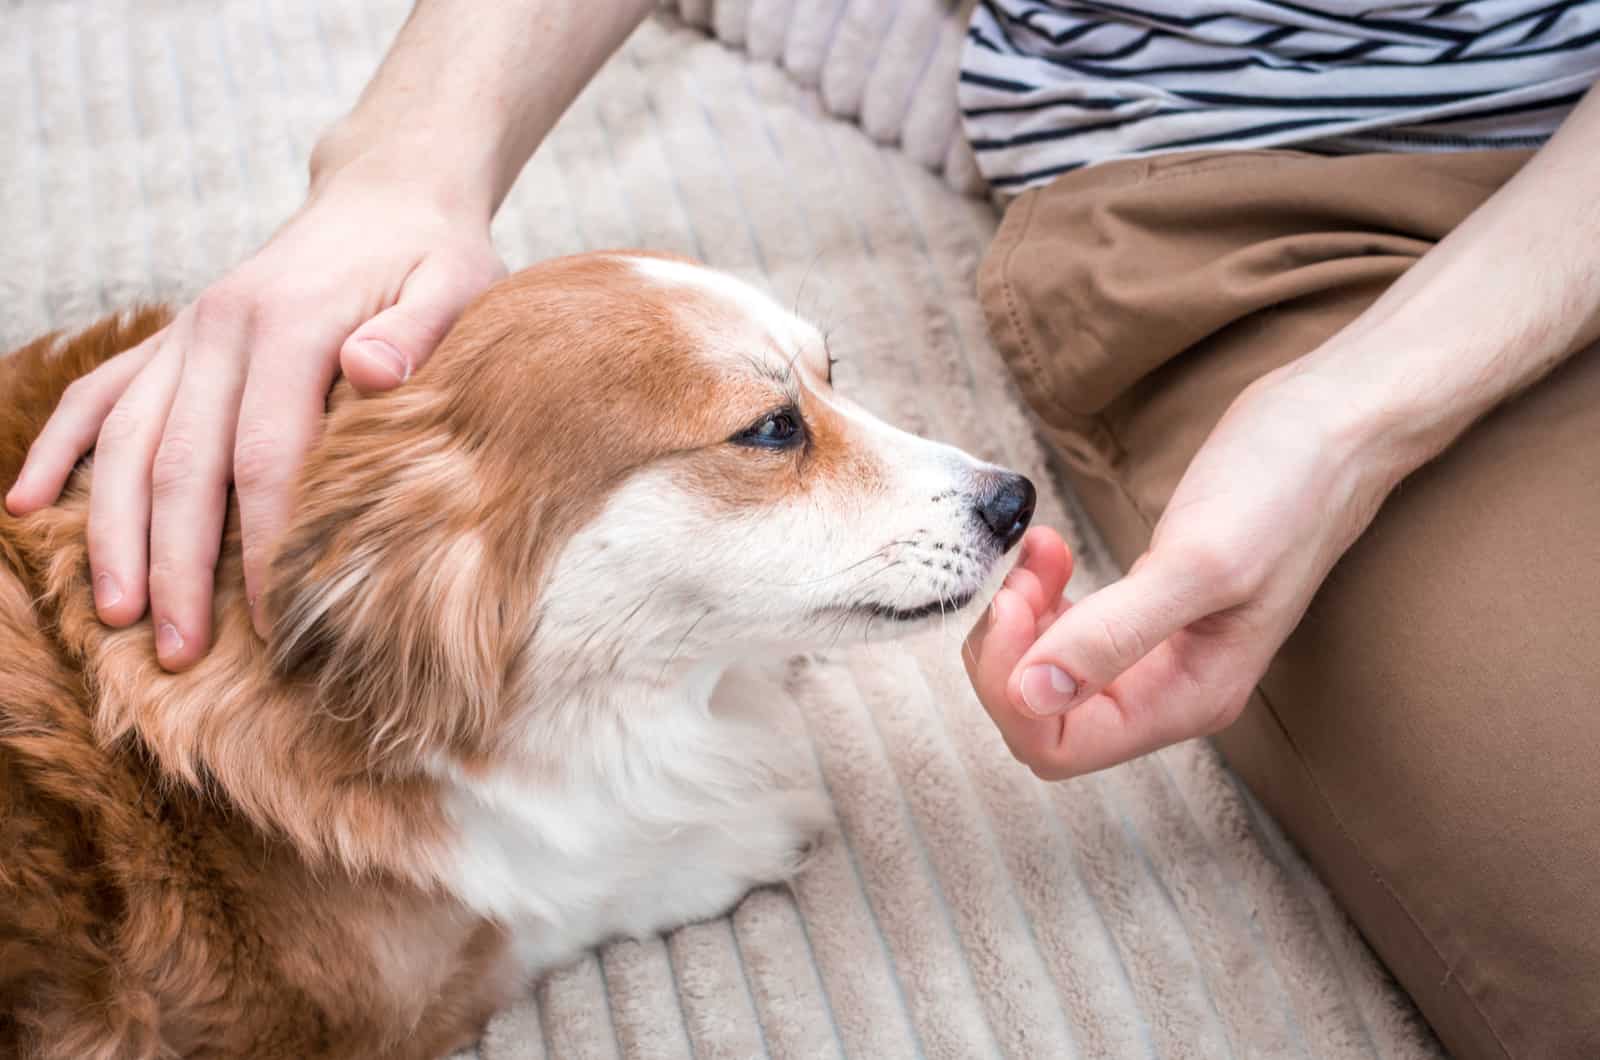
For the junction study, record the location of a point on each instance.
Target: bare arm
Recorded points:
(470, 89)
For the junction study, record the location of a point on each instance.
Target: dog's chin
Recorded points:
(881, 621)
(948, 605)
(893, 620)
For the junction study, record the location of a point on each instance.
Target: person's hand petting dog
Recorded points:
(390, 246)
(364, 280)
(1171, 651)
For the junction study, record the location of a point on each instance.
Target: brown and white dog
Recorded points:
(479, 738)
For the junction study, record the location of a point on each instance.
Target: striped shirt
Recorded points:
(1048, 86)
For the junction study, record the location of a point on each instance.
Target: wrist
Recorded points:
(1403, 382)
(1477, 320)
(446, 172)
(1367, 440)
(399, 170)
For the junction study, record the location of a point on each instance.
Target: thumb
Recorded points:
(385, 351)
(1109, 631)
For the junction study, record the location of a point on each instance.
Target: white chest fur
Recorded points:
(642, 818)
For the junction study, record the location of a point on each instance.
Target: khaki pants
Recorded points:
(1430, 735)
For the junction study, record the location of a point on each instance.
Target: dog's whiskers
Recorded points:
(875, 554)
(852, 588)
(848, 613)
(867, 630)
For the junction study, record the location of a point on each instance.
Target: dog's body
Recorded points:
(479, 738)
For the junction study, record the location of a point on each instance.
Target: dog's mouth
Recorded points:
(943, 606)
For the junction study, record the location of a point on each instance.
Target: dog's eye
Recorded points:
(776, 430)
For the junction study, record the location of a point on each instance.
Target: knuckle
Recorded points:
(1221, 570)
(1046, 771)
(180, 580)
(257, 458)
(1038, 754)
(1217, 702)
(1123, 641)
(223, 305)
(120, 426)
(1225, 710)
(174, 466)
(1230, 703)
(77, 394)
(471, 266)
(270, 315)
(465, 283)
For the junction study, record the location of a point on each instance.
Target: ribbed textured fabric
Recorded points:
(888, 65)
(962, 909)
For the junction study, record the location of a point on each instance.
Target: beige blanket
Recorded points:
(962, 909)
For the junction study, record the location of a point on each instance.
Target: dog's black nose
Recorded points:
(1006, 507)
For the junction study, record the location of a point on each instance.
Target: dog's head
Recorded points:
(614, 468)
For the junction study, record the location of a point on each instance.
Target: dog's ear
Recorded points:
(382, 593)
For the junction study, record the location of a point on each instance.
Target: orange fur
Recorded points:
(143, 911)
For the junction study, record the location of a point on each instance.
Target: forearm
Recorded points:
(468, 91)
(1512, 292)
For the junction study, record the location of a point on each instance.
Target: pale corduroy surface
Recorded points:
(962, 909)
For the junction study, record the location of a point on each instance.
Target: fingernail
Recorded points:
(168, 640)
(389, 357)
(1048, 690)
(106, 591)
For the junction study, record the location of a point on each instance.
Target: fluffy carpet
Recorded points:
(962, 909)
